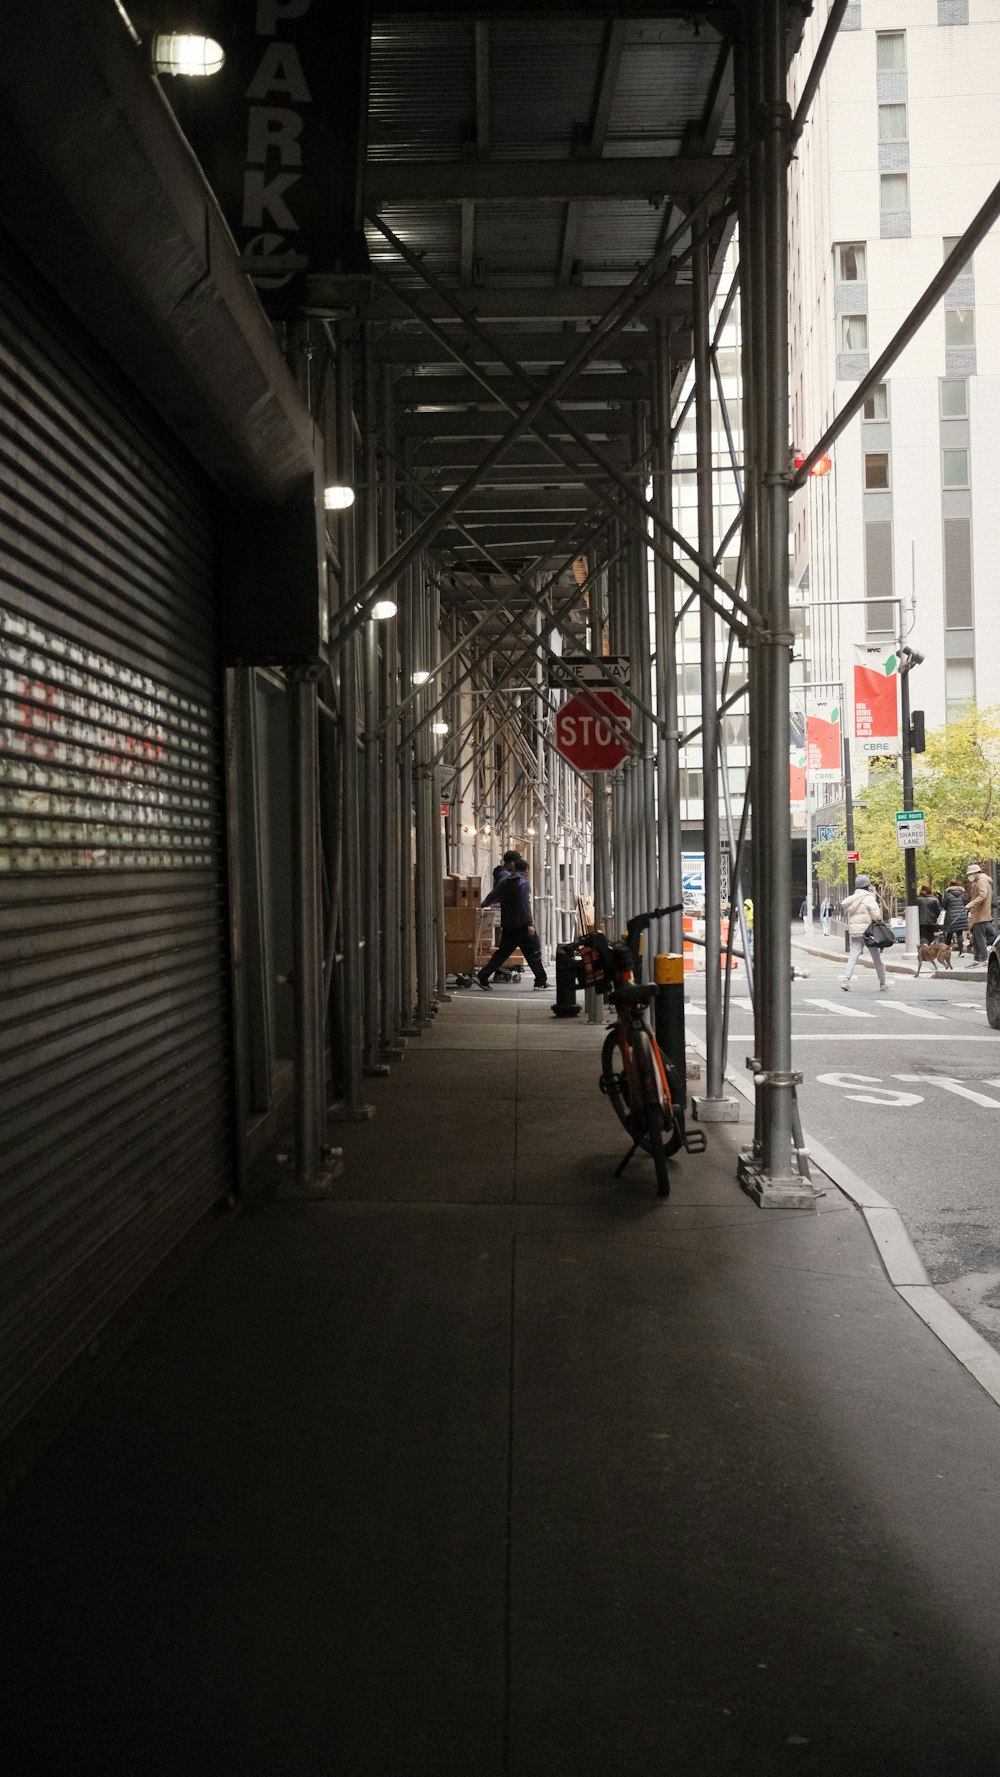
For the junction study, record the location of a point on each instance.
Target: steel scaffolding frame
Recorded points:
(374, 940)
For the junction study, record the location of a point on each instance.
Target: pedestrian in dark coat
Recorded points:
(956, 915)
(517, 929)
(929, 911)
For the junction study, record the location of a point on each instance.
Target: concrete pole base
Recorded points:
(393, 1051)
(376, 1070)
(351, 1113)
(290, 1189)
(792, 1192)
(715, 1110)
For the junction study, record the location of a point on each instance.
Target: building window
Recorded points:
(954, 468)
(879, 618)
(959, 689)
(877, 403)
(877, 469)
(957, 573)
(953, 12)
(890, 52)
(892, 123)
(854, 333)
(954, 398)
(894, 193)
(959, 327)
(852, 263)
(968, 268)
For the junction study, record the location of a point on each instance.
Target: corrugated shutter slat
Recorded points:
(115, 1098)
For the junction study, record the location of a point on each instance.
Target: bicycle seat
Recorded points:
(634, 994)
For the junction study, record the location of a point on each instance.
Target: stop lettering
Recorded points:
(588, 739)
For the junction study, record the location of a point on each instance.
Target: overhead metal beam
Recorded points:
(653, 177)
(634, 347)
(600, 422)
(545, 302)
(590, 390)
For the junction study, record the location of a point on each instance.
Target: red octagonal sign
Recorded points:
(587, 739)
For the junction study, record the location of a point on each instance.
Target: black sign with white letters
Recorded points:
(280, 133)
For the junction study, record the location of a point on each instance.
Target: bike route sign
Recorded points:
(911, 829)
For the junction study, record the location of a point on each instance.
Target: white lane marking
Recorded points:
(881, 1095)
(881, 1036)
(840, 1011)
(893, 1005)
(971, 1006)
(955, 1086)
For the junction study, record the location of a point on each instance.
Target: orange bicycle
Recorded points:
(641, 1082)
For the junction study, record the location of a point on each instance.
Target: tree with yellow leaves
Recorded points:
(957, 784)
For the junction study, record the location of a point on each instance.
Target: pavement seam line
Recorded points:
(898, 1256)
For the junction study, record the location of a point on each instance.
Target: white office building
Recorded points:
(901, 150)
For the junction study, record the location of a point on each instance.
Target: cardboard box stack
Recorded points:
(462, 895)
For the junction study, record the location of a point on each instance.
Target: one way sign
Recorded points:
(572, 670)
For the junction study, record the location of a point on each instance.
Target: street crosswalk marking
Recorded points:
(914, 1011)
(839, 1010)
(955, 1086)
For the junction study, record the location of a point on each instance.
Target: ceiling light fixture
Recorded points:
(439, 727)
(181, 52)
(337, 499)
(383, 608)
(420, 678)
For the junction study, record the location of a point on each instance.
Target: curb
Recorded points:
(976, 974)
(900, 1259)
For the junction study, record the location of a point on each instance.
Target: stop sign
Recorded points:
(587, 740)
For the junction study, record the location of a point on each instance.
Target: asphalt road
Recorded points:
(904, 1087)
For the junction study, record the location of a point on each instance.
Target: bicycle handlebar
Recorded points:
(640, 921)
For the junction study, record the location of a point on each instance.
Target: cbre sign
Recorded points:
(592, 741)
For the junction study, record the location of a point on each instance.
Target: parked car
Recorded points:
(993, 986)
(898, 925)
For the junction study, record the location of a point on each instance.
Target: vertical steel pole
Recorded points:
(424, 774)
(389, 849)
(307, 982)
(668, 776)
(772, 811)
(351, 862)
(407, 663)
(370, 746)
(709, 676)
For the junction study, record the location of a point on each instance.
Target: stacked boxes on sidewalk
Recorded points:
(462, 895)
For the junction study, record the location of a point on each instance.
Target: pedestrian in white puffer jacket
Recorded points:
(859, 910)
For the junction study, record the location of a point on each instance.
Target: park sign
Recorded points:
(592, 740)
(911, 829)
(876, 718)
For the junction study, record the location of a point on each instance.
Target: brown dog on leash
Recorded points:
(936, 953)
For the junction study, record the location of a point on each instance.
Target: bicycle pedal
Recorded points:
(694, 1141)
(603, 1084)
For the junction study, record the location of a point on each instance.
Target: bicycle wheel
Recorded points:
(614, 1081)
(654, 1142)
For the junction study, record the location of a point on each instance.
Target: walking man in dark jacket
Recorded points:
(517, 931)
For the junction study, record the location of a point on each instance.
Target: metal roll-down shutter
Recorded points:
(115, 1105)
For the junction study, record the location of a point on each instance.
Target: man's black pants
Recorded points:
(983, 935)
(517, 938)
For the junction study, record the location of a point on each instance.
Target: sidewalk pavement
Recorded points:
(493, 1465)
(815, 944)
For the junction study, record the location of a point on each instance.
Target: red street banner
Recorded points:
(876, 719)
(823, 744)
(797, 779)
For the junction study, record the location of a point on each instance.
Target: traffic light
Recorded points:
(918, 740)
